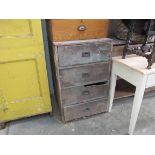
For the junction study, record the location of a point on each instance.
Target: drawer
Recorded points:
(95, 28)
(150, 81)
(83, 53)
(85, 74)
(79, 94)
(76, 29)
(84, 109)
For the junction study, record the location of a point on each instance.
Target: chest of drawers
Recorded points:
(82, 70)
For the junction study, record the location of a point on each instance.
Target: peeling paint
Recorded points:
(3, 102)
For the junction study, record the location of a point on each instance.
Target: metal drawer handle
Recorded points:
(87, 109)
(81, 28)
(85, 54)
(86, 92)
(85, 75)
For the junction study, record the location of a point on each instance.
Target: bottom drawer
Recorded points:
(85, 109)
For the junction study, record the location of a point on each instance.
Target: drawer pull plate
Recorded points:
(87, 109)
(85, 75)
(85, 54)
(86, 92)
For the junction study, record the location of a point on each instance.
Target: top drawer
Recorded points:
(76, 29)
(83, 53)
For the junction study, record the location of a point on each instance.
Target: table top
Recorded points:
(137, 63)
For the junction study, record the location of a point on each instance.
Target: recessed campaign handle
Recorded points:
(85, 54)
(85, 75)
(86, 92)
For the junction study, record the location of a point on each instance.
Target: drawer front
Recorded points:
(81, 54)
(85, 109)
(117, 50)
(62, 30)
(85, 74)
(150, 81)
(79, 94)
(76, 29)
(95, 28)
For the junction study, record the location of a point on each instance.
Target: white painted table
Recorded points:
(132, 69)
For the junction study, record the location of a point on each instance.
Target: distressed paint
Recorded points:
(23, 82)
(83, 53)
(75, 98)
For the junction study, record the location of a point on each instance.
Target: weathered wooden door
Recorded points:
(23, 79)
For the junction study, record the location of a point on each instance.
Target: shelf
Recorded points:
(125, 89)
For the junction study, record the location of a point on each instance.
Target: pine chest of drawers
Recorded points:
(78, 29)
(82, 70)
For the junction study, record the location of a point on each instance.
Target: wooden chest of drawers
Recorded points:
(82, 77)
(76, 29)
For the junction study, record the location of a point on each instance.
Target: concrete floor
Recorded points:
(114, 123)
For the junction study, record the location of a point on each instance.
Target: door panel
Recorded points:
(15, 28)
(23, 82)
(20, 33)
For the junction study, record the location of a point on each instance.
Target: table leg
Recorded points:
(112, 89)
(137, 104)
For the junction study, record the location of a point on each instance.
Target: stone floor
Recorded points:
(114, 123)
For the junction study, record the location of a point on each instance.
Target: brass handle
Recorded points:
(86, 92)
(81, 28)
(85, 75)
(85, 54)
